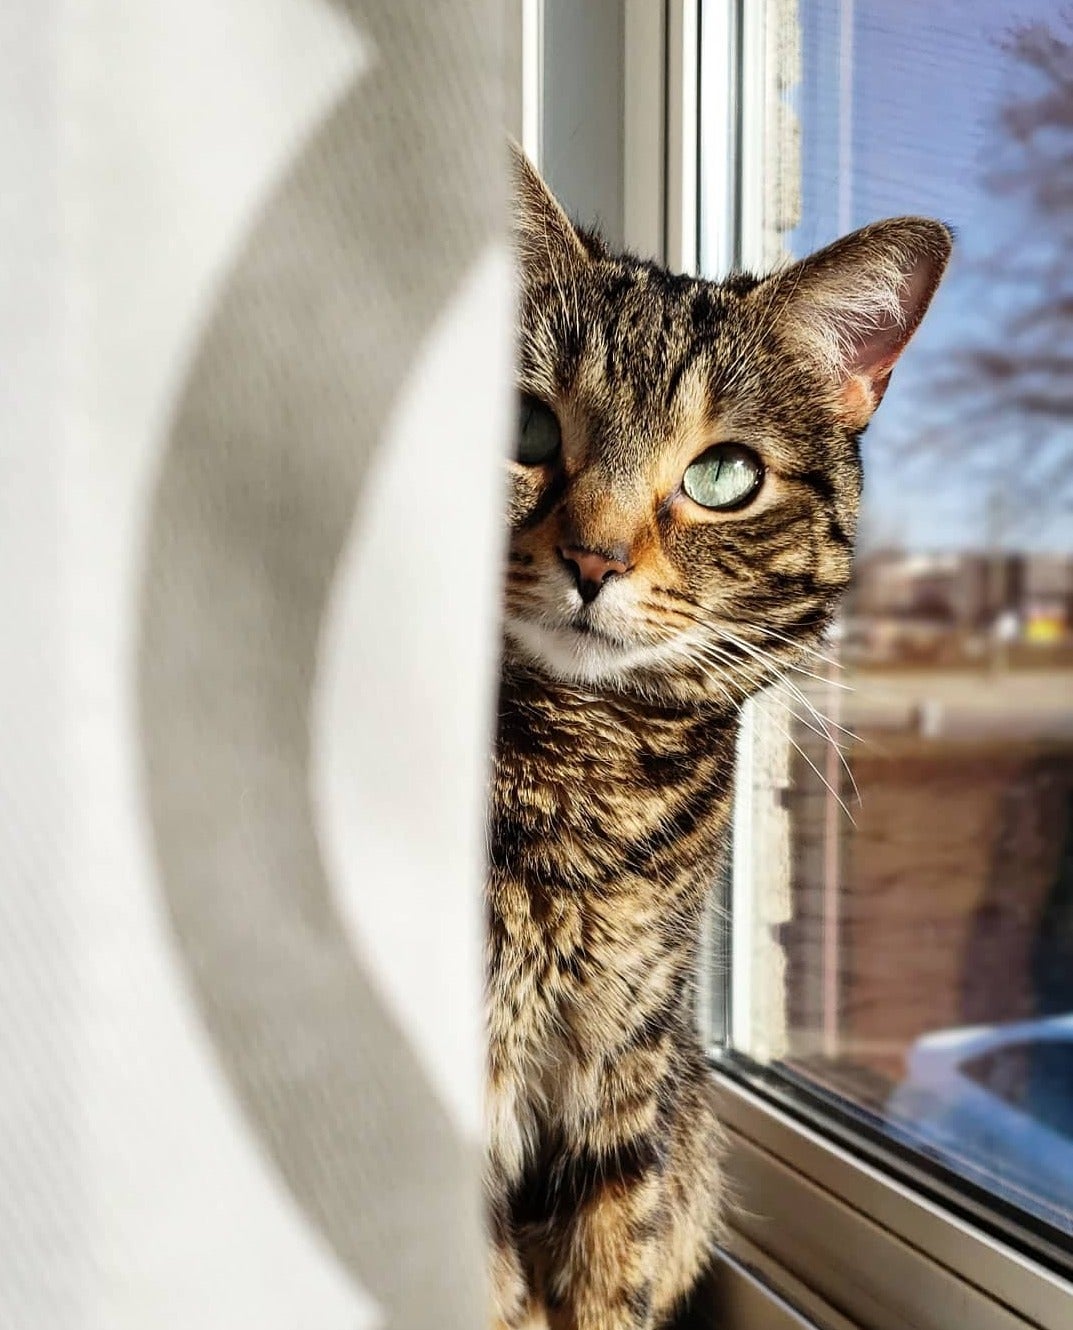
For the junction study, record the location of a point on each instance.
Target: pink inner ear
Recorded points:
(875, 352)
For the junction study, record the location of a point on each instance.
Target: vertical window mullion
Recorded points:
(719, 186)
(532, 14)
(683, 136)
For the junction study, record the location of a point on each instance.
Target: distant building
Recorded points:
(951, 605)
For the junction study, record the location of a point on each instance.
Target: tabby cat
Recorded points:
(683, 503)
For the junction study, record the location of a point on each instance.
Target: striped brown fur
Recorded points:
(618, 712)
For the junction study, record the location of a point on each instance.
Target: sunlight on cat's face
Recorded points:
(618, 577)
(686, 471)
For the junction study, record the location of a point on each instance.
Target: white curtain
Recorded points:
(256, 339)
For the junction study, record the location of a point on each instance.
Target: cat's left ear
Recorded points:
(855, 304)
(546, 240)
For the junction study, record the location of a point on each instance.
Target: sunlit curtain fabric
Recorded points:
(256, 345)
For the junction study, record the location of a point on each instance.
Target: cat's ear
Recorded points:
(855, 304)
(545, 237)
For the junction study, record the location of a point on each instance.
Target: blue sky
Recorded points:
(928, 82)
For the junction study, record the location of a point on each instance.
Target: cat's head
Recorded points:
(684, 495)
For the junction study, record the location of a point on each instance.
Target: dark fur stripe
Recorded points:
(563, 1185)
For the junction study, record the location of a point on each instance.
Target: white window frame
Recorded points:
(829, 1229)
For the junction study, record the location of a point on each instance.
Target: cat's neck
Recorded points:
(544, 719)
(607, 784)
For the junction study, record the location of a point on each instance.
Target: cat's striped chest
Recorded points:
(600, 833)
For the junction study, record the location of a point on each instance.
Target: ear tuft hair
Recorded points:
(854, 306)
(545, 237)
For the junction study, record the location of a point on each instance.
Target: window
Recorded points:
(899, 969)
(891, 1012)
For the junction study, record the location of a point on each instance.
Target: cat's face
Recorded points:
(684, 494)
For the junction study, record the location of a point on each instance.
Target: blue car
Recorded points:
(995, 1103)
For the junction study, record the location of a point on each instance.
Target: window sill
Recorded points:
(849, 1246)
(738, 1293)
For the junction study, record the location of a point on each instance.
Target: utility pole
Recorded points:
(998, 609)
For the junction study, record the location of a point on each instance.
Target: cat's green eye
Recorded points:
(538, 432)
(726, 476)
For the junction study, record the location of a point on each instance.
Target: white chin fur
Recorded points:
(577, 658)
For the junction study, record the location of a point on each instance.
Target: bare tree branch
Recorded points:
(1014, 382)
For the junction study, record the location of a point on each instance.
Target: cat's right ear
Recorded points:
(854, 305)
(543, 234)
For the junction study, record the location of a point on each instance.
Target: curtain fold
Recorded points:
(252, 469)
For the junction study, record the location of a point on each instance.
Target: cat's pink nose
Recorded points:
(592, 568)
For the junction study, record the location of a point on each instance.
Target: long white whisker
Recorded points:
(717, 658)
(821, 734)
(767, 660)
(801, 646)
(735, 666)
(695, 655)
(823, 779)
(823, 724)
(820, 716)
(840, 684)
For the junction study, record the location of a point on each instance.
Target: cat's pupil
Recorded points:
(538, 432)
(727, 476)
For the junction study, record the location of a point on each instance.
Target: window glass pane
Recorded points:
(921, 929)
